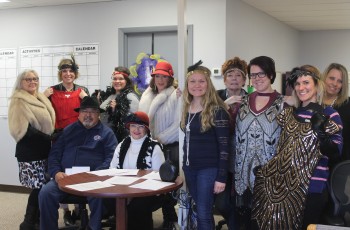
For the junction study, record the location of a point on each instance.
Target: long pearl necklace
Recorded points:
(188, 131)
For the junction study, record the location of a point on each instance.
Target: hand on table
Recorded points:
(59, 176)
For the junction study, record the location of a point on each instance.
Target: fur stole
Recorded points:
(150, 102)
(146, 100)
(27, 109)
(162, 110)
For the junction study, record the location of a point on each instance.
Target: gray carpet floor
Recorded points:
(13, 205)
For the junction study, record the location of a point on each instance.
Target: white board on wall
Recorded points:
(45, 60)
(8, 73)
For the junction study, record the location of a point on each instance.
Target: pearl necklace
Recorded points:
(188, 131)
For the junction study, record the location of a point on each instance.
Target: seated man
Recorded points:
(138, 151)
(86, 142)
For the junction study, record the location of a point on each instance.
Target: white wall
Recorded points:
(99, 22)
(8, 162)
(320, 48)
(252, 33)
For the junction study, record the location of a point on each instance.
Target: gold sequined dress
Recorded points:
(282, 184)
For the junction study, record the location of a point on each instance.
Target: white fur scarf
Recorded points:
(162, 111)
(27, 109)
(150, 101)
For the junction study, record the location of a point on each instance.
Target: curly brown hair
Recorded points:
(237, 63)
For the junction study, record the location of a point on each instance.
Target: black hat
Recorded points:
(138, 117)
(89, 102)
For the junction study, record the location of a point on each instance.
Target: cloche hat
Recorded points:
(163, 68)
(138, 117)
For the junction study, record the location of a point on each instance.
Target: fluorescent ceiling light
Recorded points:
(4, 1)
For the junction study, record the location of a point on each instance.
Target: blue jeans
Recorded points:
(49, 198)
(226, 204)
(200, 184)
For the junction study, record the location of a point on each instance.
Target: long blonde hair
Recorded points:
(211, 101)
(343, 94)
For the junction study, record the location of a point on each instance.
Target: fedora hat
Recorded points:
(89, 102)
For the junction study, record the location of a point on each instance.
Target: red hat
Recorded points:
(163, 68)
(138, 117)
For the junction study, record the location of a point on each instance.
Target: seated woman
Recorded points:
(139, 151)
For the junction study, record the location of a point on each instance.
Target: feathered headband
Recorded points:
(194, 67)
(72, 66)
(296, 73)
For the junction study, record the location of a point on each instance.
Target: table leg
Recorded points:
(121, 218)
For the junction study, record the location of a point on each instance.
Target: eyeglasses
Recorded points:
(136, 126)
(29, 80)
(89, 111)
(259, 75)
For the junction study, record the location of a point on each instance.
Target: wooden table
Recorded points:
(119, 192)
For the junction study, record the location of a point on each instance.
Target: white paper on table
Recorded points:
(151, 185)
(115, 172)
(153, 175)
(77, 169)
(123, 180)
(89, 185)
(127, 172)
(104, 172)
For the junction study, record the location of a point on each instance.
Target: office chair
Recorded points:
(83, 213)
(340, 194)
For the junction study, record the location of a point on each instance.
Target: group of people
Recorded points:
(61, 128)
(249, 154)
(282, 147)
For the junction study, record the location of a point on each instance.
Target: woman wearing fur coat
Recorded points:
(160, 102)
(31, 120)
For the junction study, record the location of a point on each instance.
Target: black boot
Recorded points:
(29, 218)
(169, 213)
(37, 220)
(67, 218)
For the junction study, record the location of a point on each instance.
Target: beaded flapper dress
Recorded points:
(281, 186)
